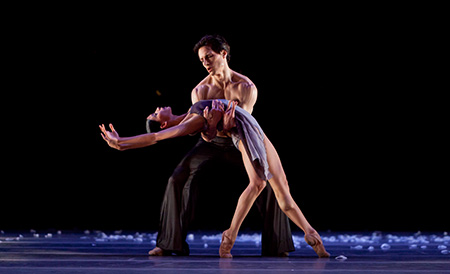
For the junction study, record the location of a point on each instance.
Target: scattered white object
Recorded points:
(371, 241)
(341, 258)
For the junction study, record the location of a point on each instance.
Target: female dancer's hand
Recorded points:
(111, 137)
(228, 117)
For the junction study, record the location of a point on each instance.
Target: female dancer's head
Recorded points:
(160, 119)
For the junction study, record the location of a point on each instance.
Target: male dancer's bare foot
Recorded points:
(226, 245)
(157, 252)
(314, 240)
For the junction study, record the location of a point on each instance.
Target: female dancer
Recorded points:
(261, 161)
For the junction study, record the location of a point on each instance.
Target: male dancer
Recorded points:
(177, 206)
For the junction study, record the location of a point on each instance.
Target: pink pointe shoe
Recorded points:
(225, 246)
(315, 242)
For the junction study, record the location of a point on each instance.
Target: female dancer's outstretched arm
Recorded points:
(172, 126)
(192, 123)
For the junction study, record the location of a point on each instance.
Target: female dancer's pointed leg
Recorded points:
(280, 186)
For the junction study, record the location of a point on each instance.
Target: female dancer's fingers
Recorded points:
(104, 138)
(102, 128)
(111, 127)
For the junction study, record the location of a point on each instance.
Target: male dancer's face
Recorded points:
(211, 60)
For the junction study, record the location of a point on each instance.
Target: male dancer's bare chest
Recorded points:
(229, 93)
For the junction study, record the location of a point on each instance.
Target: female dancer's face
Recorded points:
(161, 115)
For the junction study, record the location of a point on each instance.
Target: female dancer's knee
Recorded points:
(287, 206)
(257, 186)
(286, 202)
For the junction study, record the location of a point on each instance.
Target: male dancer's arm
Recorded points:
(245, 96)
(212, 116)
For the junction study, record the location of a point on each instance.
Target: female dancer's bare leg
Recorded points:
(245, 202)
(280, 187)
(286, 202)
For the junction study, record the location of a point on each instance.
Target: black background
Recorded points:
(349, 98)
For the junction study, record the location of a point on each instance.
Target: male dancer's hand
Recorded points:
(228, 116)
(212, 117)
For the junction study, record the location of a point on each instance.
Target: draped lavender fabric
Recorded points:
(249, 132)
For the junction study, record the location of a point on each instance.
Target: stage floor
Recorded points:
(40, 252)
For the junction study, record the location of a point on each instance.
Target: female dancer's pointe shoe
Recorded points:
(316, 243)
(225, 246)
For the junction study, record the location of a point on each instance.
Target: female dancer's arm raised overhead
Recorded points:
(261, 161)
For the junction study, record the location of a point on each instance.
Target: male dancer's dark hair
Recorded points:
(216, 42)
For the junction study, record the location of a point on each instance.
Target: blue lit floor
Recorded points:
(40, 252)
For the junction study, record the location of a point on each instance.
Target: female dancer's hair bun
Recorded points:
(153, 126)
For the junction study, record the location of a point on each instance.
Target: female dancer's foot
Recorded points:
(226, 245)
(313, 239)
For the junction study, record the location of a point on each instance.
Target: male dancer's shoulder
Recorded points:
(247, 94)
(200, 92)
